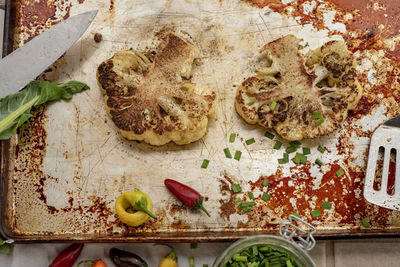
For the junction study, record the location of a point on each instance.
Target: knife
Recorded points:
(29, 61)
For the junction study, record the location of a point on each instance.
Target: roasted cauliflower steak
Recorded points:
(300, 96)
(149, 96)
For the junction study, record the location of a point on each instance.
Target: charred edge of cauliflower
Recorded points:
(285, 94)
(150, 96)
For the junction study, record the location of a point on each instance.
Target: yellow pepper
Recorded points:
(170, 260)
(138, 201)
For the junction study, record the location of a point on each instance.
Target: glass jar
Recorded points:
(301, 256)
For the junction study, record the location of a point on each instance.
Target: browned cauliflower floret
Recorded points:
(150, 97)
(300, 97)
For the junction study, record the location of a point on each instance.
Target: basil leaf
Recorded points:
(15, 109)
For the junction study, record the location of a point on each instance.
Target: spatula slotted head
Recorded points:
(383, 168)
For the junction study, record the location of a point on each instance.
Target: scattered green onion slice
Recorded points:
(251, 195)
(236, 188)
(296, 214)
(265, 197)
(205, 265)
(306, 151)
(227, 153)
(269, 135)
(289, 264)
(316, 115)
(237, 200)
(273, 105)
(278, 145)
(319, 121)
(321, 149)
(238, 155)
(315, 213)
(295, 143)
(365, 223)
(205, 163)
(191, 261)
(250, 141)
(319, 162)
(193, 245)
(291, 149)
(286, 157)
(326, 205)
(339, 172)
(232, 137)
(265, 182)
(281, 161)
(297, 158)
(247, 205)
(303, 159)
(238, 257)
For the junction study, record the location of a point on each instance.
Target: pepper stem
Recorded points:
(199, 205)
(142, 206)
(172, 254)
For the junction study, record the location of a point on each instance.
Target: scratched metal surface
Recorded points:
(68, 164)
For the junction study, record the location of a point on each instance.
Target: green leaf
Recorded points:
(15, 109)
(5, 248)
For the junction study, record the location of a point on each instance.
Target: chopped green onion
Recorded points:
(278, 145)
(319, 162)
(238, 257)
(321, 149)
(319, 121)
(286, 157)
(265, 182)
(273, 105)
(326, 205)
(269, 135)
(238, 155)
(291, 149)
(339, 172)
(316, 115)
(295, 143)
(236, 188)
(303, 159)
(237, 200)
(365, 223)
(297, 158)
(227, 153)
(191, 261)
(205, 163)
(315, 213)
(306, 150)
(193, 245)
(251, 195)
(232, 137)
(281, 161)
(250, 141)
(205, 265)
(246, 205)
(265, 197)
(245, 209)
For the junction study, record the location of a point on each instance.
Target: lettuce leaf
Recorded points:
(15, 109)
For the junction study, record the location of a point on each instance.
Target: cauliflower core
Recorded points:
(300, 96)
(150, 97)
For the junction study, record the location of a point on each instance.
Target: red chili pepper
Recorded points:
(186, 194)
(68, 256)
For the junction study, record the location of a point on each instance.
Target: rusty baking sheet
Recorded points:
(64, 170)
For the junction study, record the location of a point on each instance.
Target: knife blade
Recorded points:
(27, 62)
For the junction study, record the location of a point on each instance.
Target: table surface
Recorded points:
(354, 253)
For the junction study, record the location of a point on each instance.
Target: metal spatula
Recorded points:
(386, 136)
